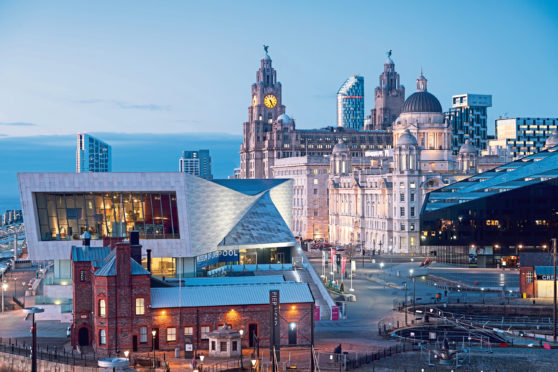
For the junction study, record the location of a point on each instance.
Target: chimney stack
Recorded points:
(149, 260)
(135, 246)
(86, 240)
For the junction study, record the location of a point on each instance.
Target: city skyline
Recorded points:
(87, 68)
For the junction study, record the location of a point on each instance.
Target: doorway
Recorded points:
(280, 258)
(83, 336)
(156, 339)
(134, 343)
(292, 333)
(252, 331)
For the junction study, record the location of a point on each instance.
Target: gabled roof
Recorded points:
(94, 254)
(532, 169)
(249, 186)
(261, 224)
(109, 268)
(229, 295)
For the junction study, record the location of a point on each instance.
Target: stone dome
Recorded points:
(340, 147)
(422, 102)
(552, 140)
(407, 139)
(284, 118)
(467, 148)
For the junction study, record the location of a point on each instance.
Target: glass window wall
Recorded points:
(65, 216)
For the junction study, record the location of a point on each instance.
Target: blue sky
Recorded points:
(187, 66)
(116, 67)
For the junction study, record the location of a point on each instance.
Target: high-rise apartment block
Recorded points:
(92, 155)
(389, 97)
(523, 136)
(197, 163)
(468, 119)
(350, 103)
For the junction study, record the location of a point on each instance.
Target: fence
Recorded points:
(48, 353)
(348, 361)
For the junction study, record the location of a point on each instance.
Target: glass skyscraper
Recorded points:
(350, 103)
(92, 155)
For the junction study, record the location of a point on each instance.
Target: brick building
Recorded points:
(117, 304)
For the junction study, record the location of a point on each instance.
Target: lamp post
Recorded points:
(153, 333)
(33, 311)
(241, 356)
(253, 360)
(405, 303)
(4, 287)
(202, 357)
(23, 284)
(414, 298)
(482, 293)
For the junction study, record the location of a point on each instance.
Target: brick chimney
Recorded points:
(123, 270)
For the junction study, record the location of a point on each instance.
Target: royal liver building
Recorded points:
(270, 134)
(378, 206)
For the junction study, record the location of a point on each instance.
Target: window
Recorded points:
(188, 331)
(315, 213)
(412, 228)
(143, 335)
(412, 185)
(529, 277)
(402, 211)
(234, 346)
(102, 308)
(204, 331)
(140, 306)
(171, 334)
(223, 346)
(412, 212)
(402, 227)
(401, 185)
(212, 345)
(315, 191)
(82, 275)
(102, 337)
(412, 197)
(402, 197)
(315, 181)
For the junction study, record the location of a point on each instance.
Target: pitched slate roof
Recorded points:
(94, 254)
(109, 268)
(531, 259)
(229, 295)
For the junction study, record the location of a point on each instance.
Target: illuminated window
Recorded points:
(82, 275)
(315, 181)
(140, 306)
(171, 334)
(102, 308)
(188, 331)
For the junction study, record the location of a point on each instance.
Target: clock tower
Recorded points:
(266, 107)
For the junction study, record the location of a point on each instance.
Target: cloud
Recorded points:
(126, 105)
(17, 124)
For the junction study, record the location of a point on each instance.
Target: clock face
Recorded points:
(270, 101)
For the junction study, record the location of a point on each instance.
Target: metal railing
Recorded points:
(48, 353)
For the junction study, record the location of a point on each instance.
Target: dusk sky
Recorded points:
(185, 66)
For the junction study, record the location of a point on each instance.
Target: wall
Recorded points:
(18, 363)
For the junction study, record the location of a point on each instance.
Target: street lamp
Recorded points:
(482, 293)
(254, 361)
(241, 356)
(414, 297)
(4, 287)
(202, 357)
(33, 311)
(153, 333)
